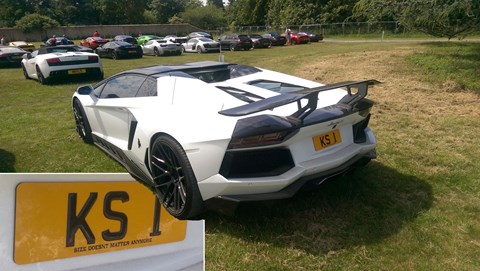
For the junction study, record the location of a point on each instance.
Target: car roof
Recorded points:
(123, 36)
(46, 49)
(11, 48)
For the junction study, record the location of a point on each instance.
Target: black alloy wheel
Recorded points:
(175, 182)
(155, 51)
(81, 122)
(199, 50)
(232, 47)
(25, 73)
(40, 76)
(114, 55)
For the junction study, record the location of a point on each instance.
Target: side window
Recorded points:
(149, 42)
(148, 88)
(122, 87)
(98, 89)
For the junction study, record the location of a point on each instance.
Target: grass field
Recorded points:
(417, 207)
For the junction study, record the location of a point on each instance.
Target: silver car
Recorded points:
(161, 47)
(201, 45)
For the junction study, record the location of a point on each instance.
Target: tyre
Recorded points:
(199, 50)
(25, 73)
(294, 41)
(177, 187)
(155, 51)
(114, 55)
(232, 47)
(81, 122)
(40, 76)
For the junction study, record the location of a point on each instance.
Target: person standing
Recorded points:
(64, 40)
(96, 34)
(287, 35)
(3, 41)
(52, 41)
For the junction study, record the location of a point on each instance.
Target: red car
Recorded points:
(298, 38)
(93, 42)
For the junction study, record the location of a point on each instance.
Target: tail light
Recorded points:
(258, 140)
(93, 58)
(262, 130)
(53, 61)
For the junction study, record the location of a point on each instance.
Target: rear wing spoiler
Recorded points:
(356, 91)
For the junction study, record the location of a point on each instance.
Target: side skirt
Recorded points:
(119, 156)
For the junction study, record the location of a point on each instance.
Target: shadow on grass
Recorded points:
(366, 207)
(7, 161)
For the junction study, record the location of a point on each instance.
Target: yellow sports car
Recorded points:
(24, 45)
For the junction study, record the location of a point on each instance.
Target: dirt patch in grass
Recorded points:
(406, 91)
(416, 116)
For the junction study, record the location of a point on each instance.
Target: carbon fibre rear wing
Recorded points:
(356, 91)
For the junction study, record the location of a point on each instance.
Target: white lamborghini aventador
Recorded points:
(206, 130)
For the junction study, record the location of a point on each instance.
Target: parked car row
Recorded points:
(59, 57)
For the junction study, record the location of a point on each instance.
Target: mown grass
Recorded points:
(415, 208)
(453, 64)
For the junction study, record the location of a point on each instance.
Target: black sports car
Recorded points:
(277, 39)
(313, 37)
(126, 38)
(259, 41)
(11, 55)
(119, 49)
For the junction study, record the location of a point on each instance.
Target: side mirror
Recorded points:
(85, 90)
(27, 56)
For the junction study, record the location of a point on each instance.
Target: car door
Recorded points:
(101, 50)
(148, 47)
(30, 64)
(192, 44)
(111, 108)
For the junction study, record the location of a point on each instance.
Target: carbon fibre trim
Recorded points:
(118, 155)
(292, 189)
(131, 133)
(348, 101)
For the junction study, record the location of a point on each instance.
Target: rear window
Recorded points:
(280, 87)
(243, 37)
(61, 49)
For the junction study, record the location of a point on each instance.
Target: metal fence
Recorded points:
(333, 29)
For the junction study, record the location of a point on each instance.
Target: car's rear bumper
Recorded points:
(286, 184)
(212, 50)
(65, 73)
(310, 181)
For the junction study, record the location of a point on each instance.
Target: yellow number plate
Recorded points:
(78, 71)
(322, 141)
(60, 220)
(132, 52)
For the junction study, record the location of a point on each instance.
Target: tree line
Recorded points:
(443, 18)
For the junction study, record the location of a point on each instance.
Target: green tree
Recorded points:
(35, 21)
(110, 11)
(440, 18)
(13, 10)
(163, 10)
(248, 12)
(216, 3)
(207, 17)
